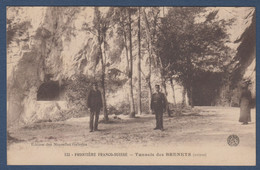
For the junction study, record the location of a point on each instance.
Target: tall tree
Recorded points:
(150, 33)
(151, 25)
(139, 103)
(123, 18)
(101, 25)
(132, 106)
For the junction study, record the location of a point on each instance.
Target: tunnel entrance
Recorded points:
(49, 91)
(206, 89)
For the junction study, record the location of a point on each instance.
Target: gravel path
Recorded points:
(208, 128)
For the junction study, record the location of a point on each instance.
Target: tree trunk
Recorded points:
(150, 93)
(132, 106)
(166, 94)
(139, 103)
(184, 91)
(173, 92)
(127, 62)
(149, 42)
(189, 80)
(103, 83)
(189, 92)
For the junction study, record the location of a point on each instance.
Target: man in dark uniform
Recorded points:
(94, 102)
(158, 106)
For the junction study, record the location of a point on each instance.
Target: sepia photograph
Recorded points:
(161, 85)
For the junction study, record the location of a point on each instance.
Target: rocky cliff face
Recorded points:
(48, 50)
(244, 62)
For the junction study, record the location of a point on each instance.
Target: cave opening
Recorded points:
(49, 91)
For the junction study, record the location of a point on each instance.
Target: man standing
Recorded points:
(158, 106)
(94, 102)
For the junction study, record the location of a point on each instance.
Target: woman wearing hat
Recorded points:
(245, 104)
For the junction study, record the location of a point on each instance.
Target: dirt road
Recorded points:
(209, 128)
(210, 125)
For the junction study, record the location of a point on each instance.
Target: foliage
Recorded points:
(121, 108)
(191, 41)
(16, 26)
(76, 94)
(115, 79)
(16, 31)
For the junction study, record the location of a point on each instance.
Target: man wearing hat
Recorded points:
(94, 102)
(158, 106)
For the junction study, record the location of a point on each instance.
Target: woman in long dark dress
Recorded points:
(245, 105)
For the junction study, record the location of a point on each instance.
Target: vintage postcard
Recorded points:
(131, 85)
